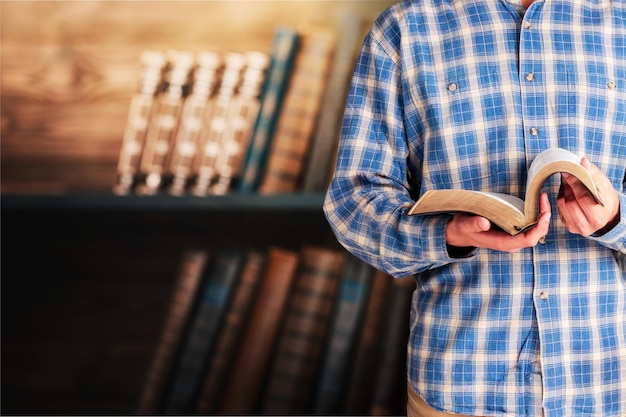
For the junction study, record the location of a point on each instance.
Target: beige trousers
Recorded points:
(416, 407)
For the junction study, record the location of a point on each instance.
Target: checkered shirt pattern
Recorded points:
(464, 94)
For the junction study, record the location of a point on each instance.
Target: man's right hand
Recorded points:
(467, 230)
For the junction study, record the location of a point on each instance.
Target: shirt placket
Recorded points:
(532, 66)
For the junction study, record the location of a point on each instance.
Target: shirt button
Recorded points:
(530, 76)
(452, 87)
(534, 131)
(543, 295)
(611, 85)
(527, 24)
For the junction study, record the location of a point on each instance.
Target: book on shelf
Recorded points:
(196, 109)
(294, 371)
(349, 27)
(508, 212)
(243, 386)
(389, 391)
(164, 122)
(236, 137)
(218, 283)
(185, 291)
(296, 122)
(205, 164)
(342, 340)
(362, 373)
(285, 47)
(231, 334)
(139, 114)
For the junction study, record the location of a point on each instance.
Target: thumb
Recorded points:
(585, 162)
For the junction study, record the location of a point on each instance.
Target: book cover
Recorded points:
(349, 27)
(292, 378)
(342, 341)
(389, 394)
(244, 384)
(508, 212)
(231, 334)
(285, 47)
(218, 283)
(139, 114)
(361, 379)
(185, 291)
(298, 116)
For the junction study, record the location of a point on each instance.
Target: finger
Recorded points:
(578, 189)
(544, 203)
(578, 218)
(588, 164)
(606, 190)
(569, 207)
(540, 231)
(596, 173)
(464, 228)
(545, 214)
(481, 224)
(566, 194)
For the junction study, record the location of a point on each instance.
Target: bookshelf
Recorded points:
(304, 202)
(87, 280)
(87, 276)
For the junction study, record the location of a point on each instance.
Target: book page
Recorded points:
(549, 156)
(547, 163)
(503, 210)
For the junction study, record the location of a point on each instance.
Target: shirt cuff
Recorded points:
(617, 233)
(450, 253)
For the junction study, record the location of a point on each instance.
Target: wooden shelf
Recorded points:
(107, 201)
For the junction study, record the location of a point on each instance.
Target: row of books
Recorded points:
(281, 331)
(263, 122)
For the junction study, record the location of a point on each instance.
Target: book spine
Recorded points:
(285, 47)
(244, 112)
(187, 285)
(354, 289)
(389, 395)
(243, 387)
(293, 376)
(297, 119)
(327, 128)
(196, 109)
(218, 283)
(206, 169)
(139, 114)
(231, 334)
(361, 379)
(164, 122)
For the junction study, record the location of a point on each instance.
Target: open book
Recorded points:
(511, 214)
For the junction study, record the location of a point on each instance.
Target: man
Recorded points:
(464, 94)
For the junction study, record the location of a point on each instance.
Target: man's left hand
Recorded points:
(578, 209)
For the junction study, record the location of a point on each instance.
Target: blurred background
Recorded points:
(88, 277)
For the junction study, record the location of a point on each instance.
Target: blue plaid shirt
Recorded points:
(464, 94)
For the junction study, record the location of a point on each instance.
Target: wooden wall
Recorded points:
(69, 69)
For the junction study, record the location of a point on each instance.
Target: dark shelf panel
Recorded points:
(107, 201)
(234, 220)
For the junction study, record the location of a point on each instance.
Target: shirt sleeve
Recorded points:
(370, 193)
(616, 237)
